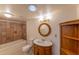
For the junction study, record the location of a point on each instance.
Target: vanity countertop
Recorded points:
(42, 42)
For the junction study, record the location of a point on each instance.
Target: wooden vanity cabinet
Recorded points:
(42, 50)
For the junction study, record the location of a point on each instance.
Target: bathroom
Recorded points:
(21, 25)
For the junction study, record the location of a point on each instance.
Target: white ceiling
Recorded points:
(21, 12)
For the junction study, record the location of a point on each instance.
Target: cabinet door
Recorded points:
(16, 31)
(11, 31)
(41, 50)
(3, 32)
(19, 31)
(8, 30)
(35, 50)
(24, 31)
(48, 50)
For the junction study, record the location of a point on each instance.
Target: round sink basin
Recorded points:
(42, 42)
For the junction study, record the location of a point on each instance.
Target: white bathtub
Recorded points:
(12, 48)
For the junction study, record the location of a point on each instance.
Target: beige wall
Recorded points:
(62, 14)
(77, 11)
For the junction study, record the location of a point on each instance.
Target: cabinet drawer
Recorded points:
(40, 50)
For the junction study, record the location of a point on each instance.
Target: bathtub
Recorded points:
(12, 48)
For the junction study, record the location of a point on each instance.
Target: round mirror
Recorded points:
(44, 29)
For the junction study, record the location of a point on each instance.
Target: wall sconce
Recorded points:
(45, 17)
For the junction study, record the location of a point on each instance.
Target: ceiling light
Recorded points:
(7, 15)
(32, 8)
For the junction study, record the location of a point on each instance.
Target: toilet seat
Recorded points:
(26, 48)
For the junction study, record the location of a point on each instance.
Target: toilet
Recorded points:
(27, 49)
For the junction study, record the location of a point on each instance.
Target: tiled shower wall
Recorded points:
(11, 31)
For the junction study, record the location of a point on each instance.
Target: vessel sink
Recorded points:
(42, 42)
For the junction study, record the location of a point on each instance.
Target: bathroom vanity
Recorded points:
(42, 47)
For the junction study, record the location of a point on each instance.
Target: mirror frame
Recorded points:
(44, 35)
